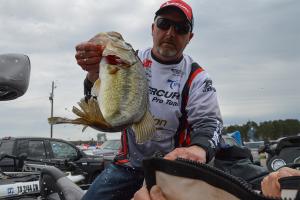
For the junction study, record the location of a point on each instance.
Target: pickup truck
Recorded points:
(48, 150)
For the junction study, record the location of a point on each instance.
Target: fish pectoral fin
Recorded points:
(94, 111)
(96, 87)
(89, 110)
(144, 129)
(112, 69)
(84, 106)
(78, 112)
(91, 114)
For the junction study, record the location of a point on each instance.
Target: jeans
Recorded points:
(116, 182)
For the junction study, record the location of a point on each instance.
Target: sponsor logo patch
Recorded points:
(147, 63)
(177, 72)
(208, 86)
(173, 84)
(164, 97)
(163, 93)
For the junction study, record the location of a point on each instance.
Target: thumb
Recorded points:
(156, 193)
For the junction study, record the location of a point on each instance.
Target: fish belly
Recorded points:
(123, 96)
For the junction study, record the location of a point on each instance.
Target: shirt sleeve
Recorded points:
(204, 115)
(87, 85)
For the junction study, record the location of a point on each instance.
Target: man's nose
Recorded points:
(171, 31)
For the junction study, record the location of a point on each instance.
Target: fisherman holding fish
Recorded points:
(181, 99)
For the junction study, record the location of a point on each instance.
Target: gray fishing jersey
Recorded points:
(166, 84)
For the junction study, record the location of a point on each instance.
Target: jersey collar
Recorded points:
(166, 62)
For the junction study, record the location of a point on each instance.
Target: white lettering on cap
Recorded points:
(178, 5)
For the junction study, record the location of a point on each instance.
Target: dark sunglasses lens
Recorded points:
(180, 28)
(163, 23)
(183, 28)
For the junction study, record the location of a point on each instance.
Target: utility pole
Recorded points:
(51, 98)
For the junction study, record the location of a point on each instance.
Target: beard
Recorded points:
(167, 52)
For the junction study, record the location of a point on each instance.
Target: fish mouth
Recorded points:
(115, 60)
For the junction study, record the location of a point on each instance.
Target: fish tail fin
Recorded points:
(144, 129)
(83, 129)
(62, 120)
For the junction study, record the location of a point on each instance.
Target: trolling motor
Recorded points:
(285, 152)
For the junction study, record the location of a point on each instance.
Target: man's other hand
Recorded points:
(194, 153)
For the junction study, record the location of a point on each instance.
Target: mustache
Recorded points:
(169, 40)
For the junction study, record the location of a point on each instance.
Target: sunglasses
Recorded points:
(181, 28)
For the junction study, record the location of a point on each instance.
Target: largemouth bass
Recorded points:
(121, 91)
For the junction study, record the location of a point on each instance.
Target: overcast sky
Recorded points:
(250, 48)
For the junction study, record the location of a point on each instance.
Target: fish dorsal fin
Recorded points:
(144, 129)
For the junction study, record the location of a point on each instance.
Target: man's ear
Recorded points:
(152, 28)
(191, 36)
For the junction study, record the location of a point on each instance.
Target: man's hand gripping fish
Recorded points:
(121, 91)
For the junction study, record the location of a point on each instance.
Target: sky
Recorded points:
(250, 48)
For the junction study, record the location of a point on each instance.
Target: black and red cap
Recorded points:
(182, 6)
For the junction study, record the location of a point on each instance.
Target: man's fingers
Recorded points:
(89, 61)
(270, 186)
(87, 54)
(156, 193)
(89, 46)
(286, 171)
(191, 153)
(91, 68)
(141, 194)
(178, 153)
(174, 154)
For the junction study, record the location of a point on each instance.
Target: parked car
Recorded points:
(88, 151)
(108, 150)
(49, 150)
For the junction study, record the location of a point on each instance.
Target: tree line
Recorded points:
(267, 130)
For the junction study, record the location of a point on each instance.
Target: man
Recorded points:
(182, 101)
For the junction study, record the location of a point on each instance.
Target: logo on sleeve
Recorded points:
(208, 86)
(147, 63)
